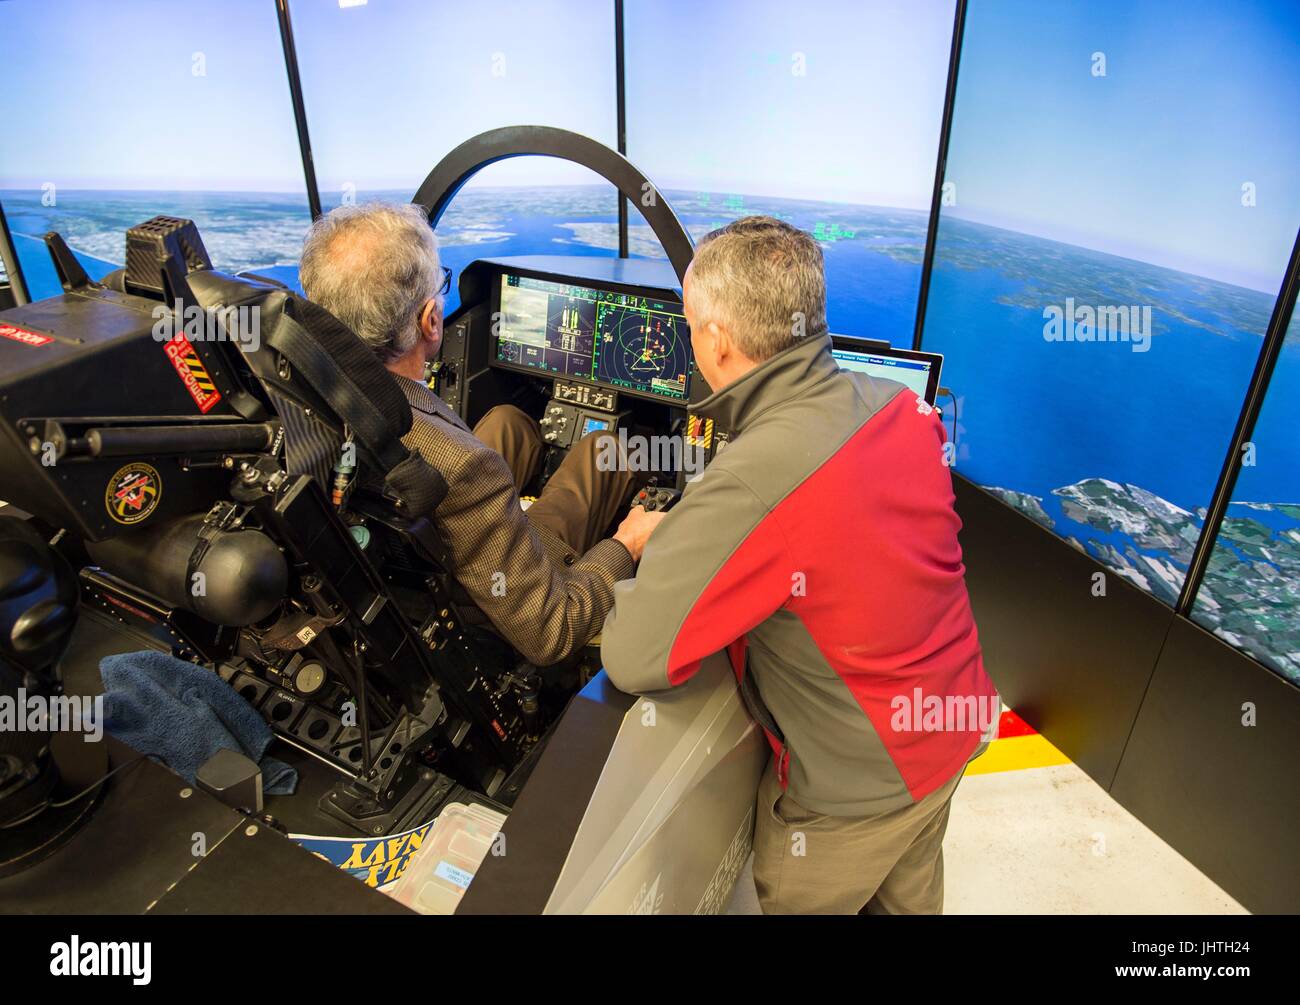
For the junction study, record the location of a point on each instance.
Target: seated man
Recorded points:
(544, 579)
(820, 549)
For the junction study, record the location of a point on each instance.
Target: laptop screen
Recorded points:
(917, 371)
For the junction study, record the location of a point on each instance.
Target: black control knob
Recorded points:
(657, 499)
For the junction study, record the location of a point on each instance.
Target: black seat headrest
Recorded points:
(357, 363)
(344, 371)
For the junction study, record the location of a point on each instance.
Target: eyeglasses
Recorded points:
(445, 288)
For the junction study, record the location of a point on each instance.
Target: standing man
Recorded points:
(820, 550)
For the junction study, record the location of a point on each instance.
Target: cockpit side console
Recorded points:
(225, 460)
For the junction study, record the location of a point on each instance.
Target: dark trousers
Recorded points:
(580, 500)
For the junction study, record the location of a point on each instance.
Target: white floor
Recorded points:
(1051, 841)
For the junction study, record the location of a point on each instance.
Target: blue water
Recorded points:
(1275, 475)
(1037, 415)
(873, 254)
(1033, 416)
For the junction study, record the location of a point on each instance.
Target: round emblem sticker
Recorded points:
(133, 493)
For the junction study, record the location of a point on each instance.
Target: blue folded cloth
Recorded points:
(183, 714)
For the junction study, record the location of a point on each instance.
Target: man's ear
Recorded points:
(720, 342)
(431, 326)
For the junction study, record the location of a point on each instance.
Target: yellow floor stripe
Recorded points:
(1016, 753)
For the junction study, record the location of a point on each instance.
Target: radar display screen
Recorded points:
(644, 345)
(629, 341)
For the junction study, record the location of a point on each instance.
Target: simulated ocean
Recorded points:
(1115, 450)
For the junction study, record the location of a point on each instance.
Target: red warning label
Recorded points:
(23, 335)
(192, 372)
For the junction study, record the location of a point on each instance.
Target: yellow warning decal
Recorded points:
(192, 372)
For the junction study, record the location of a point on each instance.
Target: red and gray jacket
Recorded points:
(820, 549)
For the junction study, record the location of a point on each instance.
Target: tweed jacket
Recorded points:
(543, 598)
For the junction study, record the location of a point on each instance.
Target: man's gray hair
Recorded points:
(765, 280)
(373, 267)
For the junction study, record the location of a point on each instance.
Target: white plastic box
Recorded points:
(455, 846)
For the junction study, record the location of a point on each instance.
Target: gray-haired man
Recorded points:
(820, 551)
(545, 580)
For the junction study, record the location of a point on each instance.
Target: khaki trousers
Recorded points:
(810, 863)
(579, 501)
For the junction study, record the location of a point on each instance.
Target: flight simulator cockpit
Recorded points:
(603, 348)
(222, 491)
(584, 345)
(224, 483)
(553, 458)
(246, 506)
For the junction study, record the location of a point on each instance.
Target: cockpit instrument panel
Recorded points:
(631, 339)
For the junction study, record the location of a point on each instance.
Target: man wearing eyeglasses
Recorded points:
(544, 579)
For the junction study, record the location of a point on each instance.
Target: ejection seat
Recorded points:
(342, 417)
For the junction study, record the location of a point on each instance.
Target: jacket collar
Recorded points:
(805, 364)
(421, 397)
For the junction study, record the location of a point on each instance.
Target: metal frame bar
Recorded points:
(457, 167)
(1257, 390)
(13, 267)
(941, 166)
(299, 108)
(620, 104)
